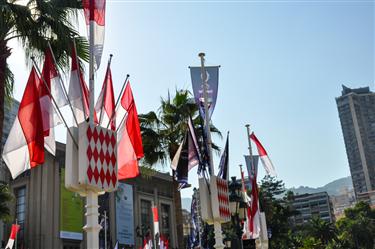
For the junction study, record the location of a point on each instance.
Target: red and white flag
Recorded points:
(255, 212)
(78, 92)
(155, 216)
(163, 242)
(54, 89)
(251, 229)
(129, 140)
(147, 242)
(24, 148)
(13, 235)
(246, 233)
(266, 161)
(95, 15)
(105, 105)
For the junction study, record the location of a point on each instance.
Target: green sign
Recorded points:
(71, 212)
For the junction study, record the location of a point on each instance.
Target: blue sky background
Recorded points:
(282, 65)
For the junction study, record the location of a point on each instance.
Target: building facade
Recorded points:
(51, 217)
(356, 109)
(346, 199)
(312, 205)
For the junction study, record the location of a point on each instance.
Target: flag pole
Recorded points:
(217, 225)
(105, 229)
(62, 84)
(53, 100)
(92, 227)
(15, 246)
(118, 99)
(250, 150)
(206, 116)
(255, 174)
(105, 89)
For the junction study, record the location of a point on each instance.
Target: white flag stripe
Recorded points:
(16, 152)
(10, 244)
(75, 95)
(268, 166)
(176, 157)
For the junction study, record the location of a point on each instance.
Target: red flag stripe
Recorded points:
(261, 150)
(30, 118)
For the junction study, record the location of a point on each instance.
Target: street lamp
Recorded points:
(237, 208)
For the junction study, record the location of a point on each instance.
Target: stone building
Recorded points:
(312, 205)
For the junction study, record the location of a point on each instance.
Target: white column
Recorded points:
(92, 227)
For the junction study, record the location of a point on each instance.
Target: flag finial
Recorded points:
(201, 54)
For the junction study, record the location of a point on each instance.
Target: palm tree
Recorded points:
(5, 197)
(163, 131)
(34, 25)
(322, 230)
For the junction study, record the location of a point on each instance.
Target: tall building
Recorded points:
(356, 109)
(312, 205)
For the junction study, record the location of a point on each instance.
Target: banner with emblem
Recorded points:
(212, 82)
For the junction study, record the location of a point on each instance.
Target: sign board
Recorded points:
(71, 212)
(125, 214)
(214, 207)
(93, 164)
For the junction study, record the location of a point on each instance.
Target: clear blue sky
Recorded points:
(282, 65)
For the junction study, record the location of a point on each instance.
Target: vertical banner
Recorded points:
(71, 212)
(212, 81)
(124, 214)
(251, 169)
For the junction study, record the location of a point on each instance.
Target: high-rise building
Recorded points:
(356, 109)
(312, 205)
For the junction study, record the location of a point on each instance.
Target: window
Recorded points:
(165, 220)
(146, 219)
(20, 213)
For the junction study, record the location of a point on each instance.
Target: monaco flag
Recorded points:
(95, 15)
(24, 148)
(129, 140)
(246, 233)
(255, 212)
(266, 161)
(105, 105)
(50, 86)
(78, 91)
(13, 235)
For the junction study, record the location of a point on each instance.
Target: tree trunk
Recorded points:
(4, 54)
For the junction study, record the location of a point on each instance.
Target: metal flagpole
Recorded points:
(105, 229)
(217, 225)
(105, 89)
(62, 84)
(92, 227)
(54, 101)
(15, 246)
(118, 99)
(253, 169)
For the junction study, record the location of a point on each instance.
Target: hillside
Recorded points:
(332, 188)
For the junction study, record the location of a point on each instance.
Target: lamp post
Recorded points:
(237, 209)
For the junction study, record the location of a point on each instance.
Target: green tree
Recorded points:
(5, 198)
(277, 205)
(34, 25)
(163, 131)
(321, 230)
(357, 228)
